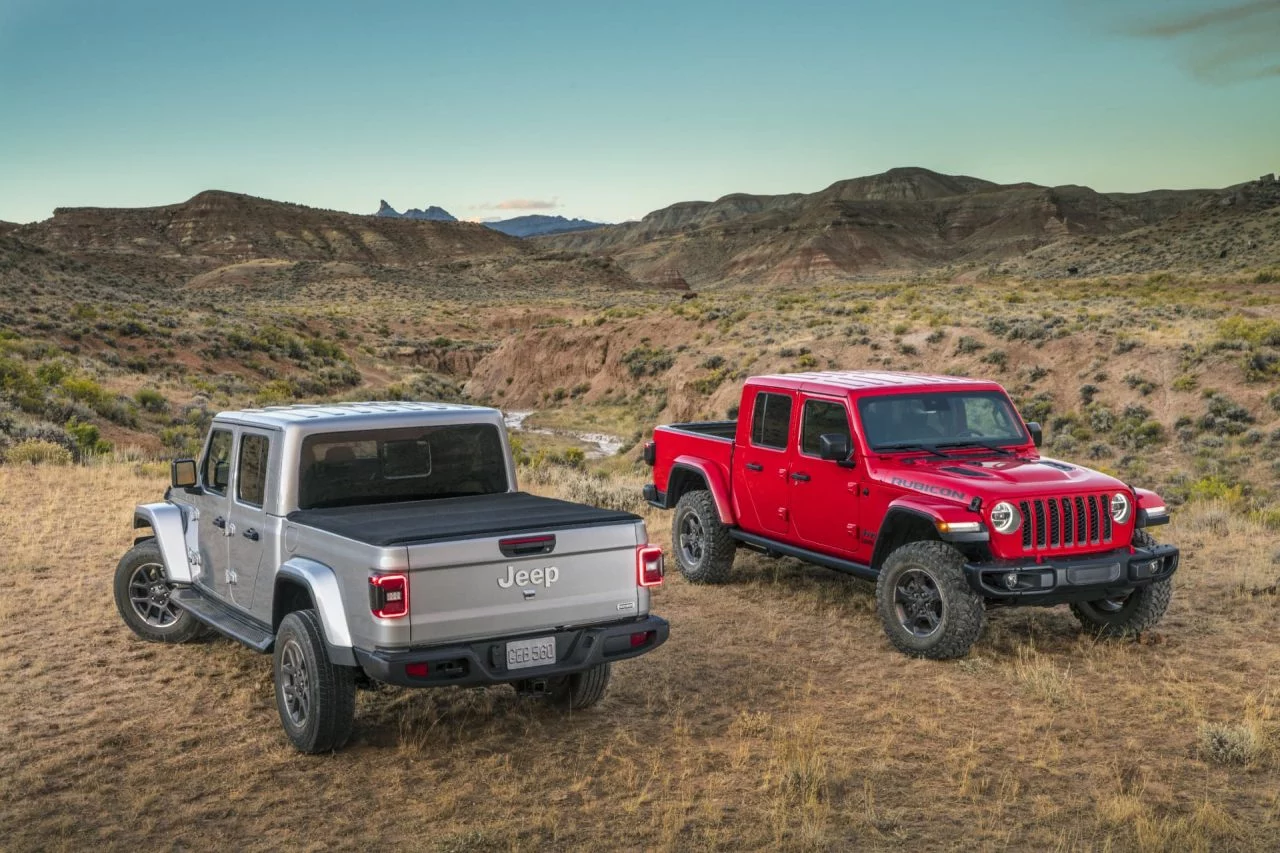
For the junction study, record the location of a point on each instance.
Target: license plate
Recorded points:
(523, 654)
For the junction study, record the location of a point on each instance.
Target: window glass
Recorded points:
(819, 418)
(771, 420)
(216, 468)
(949, 419)
(251, 472)
(418, 463)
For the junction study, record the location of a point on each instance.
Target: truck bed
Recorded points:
(710, 429)
(455, 518)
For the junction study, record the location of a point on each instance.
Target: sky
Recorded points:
(608, 110)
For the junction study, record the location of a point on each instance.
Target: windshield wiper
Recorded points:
(994, 448)
(911, 445)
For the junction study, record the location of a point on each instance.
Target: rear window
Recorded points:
(384, 466)
(771, 420)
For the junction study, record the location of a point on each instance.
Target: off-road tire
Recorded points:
(710, 560)
(328, 690)
(1141, 610)
(142, 568)
(935, 569)
(581, 689)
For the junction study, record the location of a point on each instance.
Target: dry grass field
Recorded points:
(776, 717)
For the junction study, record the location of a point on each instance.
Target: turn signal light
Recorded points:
(389, 596)
(649, 565)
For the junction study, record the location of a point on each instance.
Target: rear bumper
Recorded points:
(485, 661)
(653, 497)
(1068, 580)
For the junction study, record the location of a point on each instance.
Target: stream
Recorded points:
(603, 445)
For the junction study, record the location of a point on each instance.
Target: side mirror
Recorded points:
(834, 447)
(221, 475)
(182, 473)
(1037, 435)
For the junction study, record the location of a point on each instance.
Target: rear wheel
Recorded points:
(1130, 614)
(316, 698)
(925, 604)
(142, 595)
(704, 549)
(581, 689)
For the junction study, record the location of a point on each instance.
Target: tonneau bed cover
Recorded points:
(455, 518)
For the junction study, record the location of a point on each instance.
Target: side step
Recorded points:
(224, 620)
(824, 560)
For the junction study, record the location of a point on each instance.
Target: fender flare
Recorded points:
(931, 514)
(169, 525)
(1150, 510)
(712, 477)
(322, 583)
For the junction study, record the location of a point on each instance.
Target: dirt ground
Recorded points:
(776, 717)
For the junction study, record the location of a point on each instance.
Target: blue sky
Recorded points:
(609, 110)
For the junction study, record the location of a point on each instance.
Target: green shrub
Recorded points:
(967, 345)
(38, 452)
(151, 400)
(647, 361)
(88, 439)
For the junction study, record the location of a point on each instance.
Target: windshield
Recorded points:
(948, 419)
(418, 463)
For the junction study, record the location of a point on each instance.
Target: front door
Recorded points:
(763, 463)
(824, 494)
(247, 521)
(211, 502)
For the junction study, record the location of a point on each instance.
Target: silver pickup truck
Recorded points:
(387, 542)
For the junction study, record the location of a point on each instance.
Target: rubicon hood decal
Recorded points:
(929, 488)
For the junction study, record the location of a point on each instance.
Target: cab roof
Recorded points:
(842, 381)
(347, 415)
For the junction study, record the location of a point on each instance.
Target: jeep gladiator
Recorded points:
(932, 487)
(387, 542)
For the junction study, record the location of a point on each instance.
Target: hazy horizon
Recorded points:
(606, 113)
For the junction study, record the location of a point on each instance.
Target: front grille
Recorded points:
(1074, 522)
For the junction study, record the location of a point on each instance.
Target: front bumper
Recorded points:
(1063, 580)
(485, 662)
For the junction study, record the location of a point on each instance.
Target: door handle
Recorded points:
(251, 534)
(220, 522)
(801, 477)
(754, 466)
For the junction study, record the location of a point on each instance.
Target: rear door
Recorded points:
(247, 528)
(508, 585)
(762, 463)
(824, 494)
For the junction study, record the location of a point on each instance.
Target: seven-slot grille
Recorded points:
(1068, 522)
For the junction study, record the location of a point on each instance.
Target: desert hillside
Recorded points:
(912, 219)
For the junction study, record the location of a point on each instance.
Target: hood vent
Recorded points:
(1061, 466)
(965, 472)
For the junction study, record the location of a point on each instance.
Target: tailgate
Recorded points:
(484, 587)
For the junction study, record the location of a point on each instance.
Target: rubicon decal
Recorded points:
(537, 577)
(941, 491)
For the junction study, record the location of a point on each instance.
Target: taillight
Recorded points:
(417, 670)
(650, 452)
(389, 596)
(649, 568)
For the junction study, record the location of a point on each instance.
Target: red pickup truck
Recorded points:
(930, 486)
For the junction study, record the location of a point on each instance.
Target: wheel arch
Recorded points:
(168, 528)
(903, 525)
(689, 474)
(303, 584)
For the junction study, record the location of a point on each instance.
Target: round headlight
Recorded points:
(1120, 507)
(1005, 517)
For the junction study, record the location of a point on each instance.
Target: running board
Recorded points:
(223, 619)
(824, 560)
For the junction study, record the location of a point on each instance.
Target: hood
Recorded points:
(964, 477)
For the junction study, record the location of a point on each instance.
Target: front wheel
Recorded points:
(925, 604)
(316, 698)
(142, 594)
(1130, 614)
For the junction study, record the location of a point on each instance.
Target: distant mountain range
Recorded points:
(913, 219)
(533, 225)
